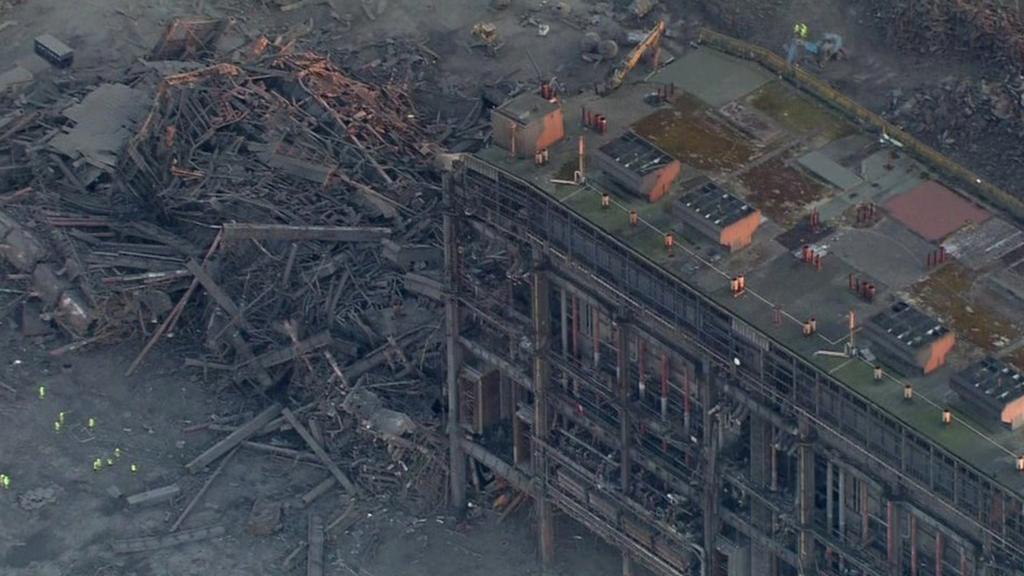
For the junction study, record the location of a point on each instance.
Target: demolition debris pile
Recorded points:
(989, 29)
(966, 119)
(279, 214)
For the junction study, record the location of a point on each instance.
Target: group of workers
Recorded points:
(58, 425)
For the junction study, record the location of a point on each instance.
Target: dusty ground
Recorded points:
(59, 514)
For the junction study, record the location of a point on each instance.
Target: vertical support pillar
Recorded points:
(541, 379)
(841, 504)
(893, 540)
(563, 310)
(829, 499)
(575, 327)
(913, 544)
(938, 552)
(453, 355)
(805, 499)
(622, 374)
(773, 452)
(663, 398)
(760, 516)
(686, 403)
(865, 519)
(712, 489)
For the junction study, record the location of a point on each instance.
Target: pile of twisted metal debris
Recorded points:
(274, 213)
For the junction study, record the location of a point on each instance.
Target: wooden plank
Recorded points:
(289, 560)
(320, 452)
(299, 4)
(152, 232)
(234, 439)
(148, 543)
(319, 490)
(423, 286)
(202, 491)
(168, 322)
(315, 549)
(154, 496)
(281, 451)
(289, 353)
(244, 351)
(298, 233)
(219, 295)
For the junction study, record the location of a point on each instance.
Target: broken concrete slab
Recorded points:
(369, 408)
(104, 121)
(406, 256)
(31, 322)
(21, 248)
(48, 285)
(75, 311)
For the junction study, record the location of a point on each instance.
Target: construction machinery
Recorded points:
(830, 47)
(650, 43)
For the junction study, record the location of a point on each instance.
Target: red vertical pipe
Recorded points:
(938, 553)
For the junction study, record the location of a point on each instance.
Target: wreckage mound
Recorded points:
(297, 197)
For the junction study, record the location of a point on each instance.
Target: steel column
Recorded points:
(622, 377)
(805, 499)
(456, 456)
(541, 310)
(712, 488)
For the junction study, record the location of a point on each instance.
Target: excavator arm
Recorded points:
(618, 75)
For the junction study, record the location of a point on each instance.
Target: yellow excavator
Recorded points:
(650, 42)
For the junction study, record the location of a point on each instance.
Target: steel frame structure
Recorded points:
(785, 464)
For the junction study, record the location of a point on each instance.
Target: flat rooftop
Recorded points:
(790, 156)
(908, 325)
(526, 108)
(636, 154)
(1000, 382)
(716, 205)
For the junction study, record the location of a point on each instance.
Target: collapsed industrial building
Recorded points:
(724, 318)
